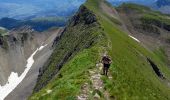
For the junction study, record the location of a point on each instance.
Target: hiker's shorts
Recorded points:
(107, 65)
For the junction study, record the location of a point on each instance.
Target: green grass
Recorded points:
(150, 17)
(3, 32)
(49, 19)
(77, 37)
(147, 16)
(73, 74)
(155, 19)
(133, 77)
(138, 8)
(160, 52)
(168, 40)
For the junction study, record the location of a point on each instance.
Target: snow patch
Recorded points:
(134, 38)
(2, 28)
(49, 91)
(42, 47)
(14, 80)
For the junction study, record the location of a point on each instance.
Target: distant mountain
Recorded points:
(39, 14)
(161, 3)
(22, 9)
(163, 6)
(38, 24)
(142, 2)
(3, 31)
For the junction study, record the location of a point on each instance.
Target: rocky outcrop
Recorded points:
(84, 15)
(156, 69)
(77, 36)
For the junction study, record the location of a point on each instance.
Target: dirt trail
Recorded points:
(95, 90)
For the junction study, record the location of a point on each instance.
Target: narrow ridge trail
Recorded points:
(94, 90)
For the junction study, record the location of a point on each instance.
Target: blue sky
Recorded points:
(24, 8)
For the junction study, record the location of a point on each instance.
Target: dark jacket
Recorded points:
(106, 60)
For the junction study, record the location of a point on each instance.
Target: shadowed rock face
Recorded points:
(25, 88)
(156, 69)
(84, 16)
(15, 48)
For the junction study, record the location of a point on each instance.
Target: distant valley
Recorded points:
(44, 15)
(37, 14)
(38, 24)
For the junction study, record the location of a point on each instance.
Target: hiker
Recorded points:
(106, 60)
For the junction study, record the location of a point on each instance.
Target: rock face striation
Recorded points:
(15, 48)
(22, 92)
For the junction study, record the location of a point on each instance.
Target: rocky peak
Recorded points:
(84, 15)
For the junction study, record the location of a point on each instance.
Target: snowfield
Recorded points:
(2, 28)
(14, 80)
(134, 38)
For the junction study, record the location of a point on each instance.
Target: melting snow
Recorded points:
(42, 47)
(14, 80)
(2, 28)
(49, 91)
(134, 38)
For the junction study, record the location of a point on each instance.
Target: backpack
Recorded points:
(106, 60)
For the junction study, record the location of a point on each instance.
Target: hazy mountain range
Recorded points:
(143, 2)
(21, 9)
(27, 12)
(160, 5)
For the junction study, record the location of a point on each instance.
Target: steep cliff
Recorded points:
(15, 48)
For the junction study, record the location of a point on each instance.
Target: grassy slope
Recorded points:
(78, 38)
(133, 77)
(148, 22)
(148, 17)
(3, 32)
(3, 40)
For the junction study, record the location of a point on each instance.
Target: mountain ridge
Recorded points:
(137, 72)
